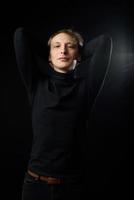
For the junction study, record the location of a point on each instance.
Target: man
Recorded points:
(58, 92)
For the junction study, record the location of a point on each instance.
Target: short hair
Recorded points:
(74, 34)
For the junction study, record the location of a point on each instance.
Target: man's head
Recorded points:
(64, 49)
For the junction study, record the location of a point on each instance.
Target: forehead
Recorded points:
(63, 38)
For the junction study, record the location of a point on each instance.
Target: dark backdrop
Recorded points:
(114, 17)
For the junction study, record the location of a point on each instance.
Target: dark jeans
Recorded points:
(40, 190)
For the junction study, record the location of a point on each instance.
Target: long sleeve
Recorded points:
(99, 51)
(95, 66)
(24, 57)
(31, 58)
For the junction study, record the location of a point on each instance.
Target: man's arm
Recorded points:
(24, 57)
(100, 50)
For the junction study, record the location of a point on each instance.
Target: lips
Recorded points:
(63, 58)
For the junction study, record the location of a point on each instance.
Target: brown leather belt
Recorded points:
(48, 179)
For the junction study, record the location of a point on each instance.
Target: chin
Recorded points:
(64, 67)
(61, 69)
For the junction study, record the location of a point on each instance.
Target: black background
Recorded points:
(91, 19)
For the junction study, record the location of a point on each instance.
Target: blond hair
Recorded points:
(74, 34)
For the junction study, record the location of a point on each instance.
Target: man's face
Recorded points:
(63, 52)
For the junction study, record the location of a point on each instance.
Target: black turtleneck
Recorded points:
(59, 104)
(59, 120)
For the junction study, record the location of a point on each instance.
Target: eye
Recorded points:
(56, 46)
(72, 46)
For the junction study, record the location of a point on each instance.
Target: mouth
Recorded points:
(64, 59)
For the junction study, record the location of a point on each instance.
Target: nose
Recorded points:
(63, 50)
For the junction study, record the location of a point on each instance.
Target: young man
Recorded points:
(64, 50)
(58, 92)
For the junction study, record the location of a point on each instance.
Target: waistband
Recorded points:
(47, 179)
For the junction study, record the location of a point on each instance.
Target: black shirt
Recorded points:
(59, 106)
(58, 121)
(60, 103)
